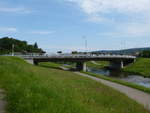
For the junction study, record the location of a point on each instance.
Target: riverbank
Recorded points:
(103, 76)
(141, 67)
(134, 93)
(133, 85)
(35, 89)
(139, 96)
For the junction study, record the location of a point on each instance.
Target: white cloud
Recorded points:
(20, 10)
(129, 30)
(98, 10)
(136, 29)
(8, 29)
(103, 6)
(42, 32)
(128, 17)
(96, 18)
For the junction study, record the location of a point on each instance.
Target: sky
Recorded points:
(67, 24)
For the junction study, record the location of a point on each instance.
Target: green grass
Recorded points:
(33, 89)
(100, 64)
(56, 65)
(139, 87)
(141, 66)
(50, 65)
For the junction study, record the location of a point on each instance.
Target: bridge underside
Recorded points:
(115, 63)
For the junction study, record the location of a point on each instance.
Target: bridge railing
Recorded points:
(74, 56)
(90, 56)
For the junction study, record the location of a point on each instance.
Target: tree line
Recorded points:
(7, 45)
(145, 53)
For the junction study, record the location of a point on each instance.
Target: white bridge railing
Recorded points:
(91, 56)
(74, 56)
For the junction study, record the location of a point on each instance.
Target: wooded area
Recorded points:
(7, 45)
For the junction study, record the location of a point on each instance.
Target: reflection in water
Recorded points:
(140, 80)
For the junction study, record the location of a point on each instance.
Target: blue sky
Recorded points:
(66, 24)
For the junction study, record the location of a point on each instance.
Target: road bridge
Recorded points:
(116, 61)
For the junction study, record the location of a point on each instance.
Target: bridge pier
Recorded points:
(35, 62)
(117, 65)
(81, 66)
(121, 64)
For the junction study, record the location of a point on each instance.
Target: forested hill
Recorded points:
(125, 51)
(6, 45)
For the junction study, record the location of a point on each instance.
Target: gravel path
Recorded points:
(95, 63)
(29, 61)
(139, 96)
(2, 102)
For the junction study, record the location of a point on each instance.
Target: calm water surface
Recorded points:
(137, 79)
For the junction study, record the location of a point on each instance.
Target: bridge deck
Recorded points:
(85, 58)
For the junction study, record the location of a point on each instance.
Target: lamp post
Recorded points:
(86, 44)
(13, 46)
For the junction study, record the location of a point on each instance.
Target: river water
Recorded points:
(137, 79)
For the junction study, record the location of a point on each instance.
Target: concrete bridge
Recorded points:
(116, 61)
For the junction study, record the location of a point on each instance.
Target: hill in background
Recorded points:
(8, 44)
(132, 51)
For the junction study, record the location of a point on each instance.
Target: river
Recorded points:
(137, 79)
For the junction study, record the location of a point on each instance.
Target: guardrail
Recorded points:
(74, 56)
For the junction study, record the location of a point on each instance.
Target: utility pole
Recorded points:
(86, 43)
(13, 46)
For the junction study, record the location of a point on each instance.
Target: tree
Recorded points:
(20, 46)
(145, 54)
(59, 52)
(74, 52)
(35, 45)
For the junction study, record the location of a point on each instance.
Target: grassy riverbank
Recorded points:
(32, 89)
(142, 88)
(133, 85)
(92, 65)
(141, 66)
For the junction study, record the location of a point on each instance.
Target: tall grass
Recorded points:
(31, 89)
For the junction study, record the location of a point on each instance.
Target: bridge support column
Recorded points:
(35, 62)
(134, 60)
(117, 65)
(81, 66)
(84, 66)
(121, 65)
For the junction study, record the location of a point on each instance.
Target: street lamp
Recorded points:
(13, 46)
(85, 43)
